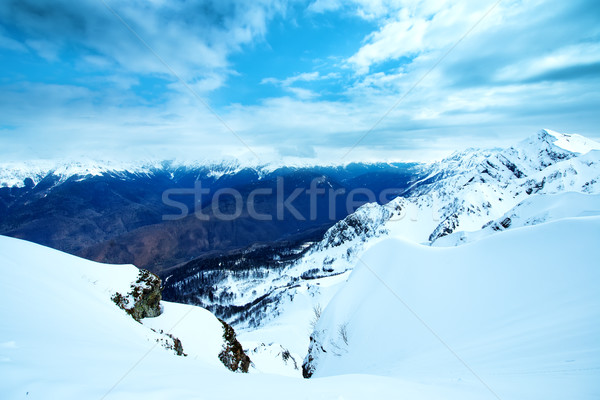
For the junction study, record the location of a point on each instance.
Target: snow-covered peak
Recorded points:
(21, 173)
(532, 154)
(15, 173)
(572, 142)
(538, 151)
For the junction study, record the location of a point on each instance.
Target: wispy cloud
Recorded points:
(300, 92)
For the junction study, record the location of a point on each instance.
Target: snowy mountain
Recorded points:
(20, 174)
(471, 188)
(277, 292)
(480, 281)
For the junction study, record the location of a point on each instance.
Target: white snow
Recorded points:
(13, 173)
(292, 327)
(272, 358)
(520, 309)
(535, 210)
(61, 337)
(573, 142)
(199, 330)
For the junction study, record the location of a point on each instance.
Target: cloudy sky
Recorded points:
(264, 79)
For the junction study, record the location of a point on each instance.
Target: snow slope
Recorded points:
(61, 332)
(534, 181)
(518, 311)
(288, 323)
(574, 143)
(62, 338)
(198, 329)
(535, 210)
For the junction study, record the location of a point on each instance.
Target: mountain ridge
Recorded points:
(448, 200)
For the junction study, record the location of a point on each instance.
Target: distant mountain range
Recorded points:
(114, 212)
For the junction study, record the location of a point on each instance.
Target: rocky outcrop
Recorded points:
(365, 223)
(143, 301)
(308, 368)
(233, 355)
(315, 350)
(169, 342)
(446, 227)
(177, 346)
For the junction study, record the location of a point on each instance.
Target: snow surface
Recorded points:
(13, 174)
(535, 210)
(520, 309)
(198, 328)
(291, 328)
(61, 337)
(573, 142)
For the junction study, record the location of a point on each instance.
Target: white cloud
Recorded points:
(303, 77)
(321, 6)
(416, 28)
(301, 93)
(396, 39)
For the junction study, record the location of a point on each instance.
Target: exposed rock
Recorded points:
(535, 186)
(286, 356)
(143, 301)
(177, 345)
(308, 368)
(315, 349)
(506, 223)
(170, 342)
(446, 227)
(233, 355)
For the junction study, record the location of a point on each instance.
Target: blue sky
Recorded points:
(292, 79)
